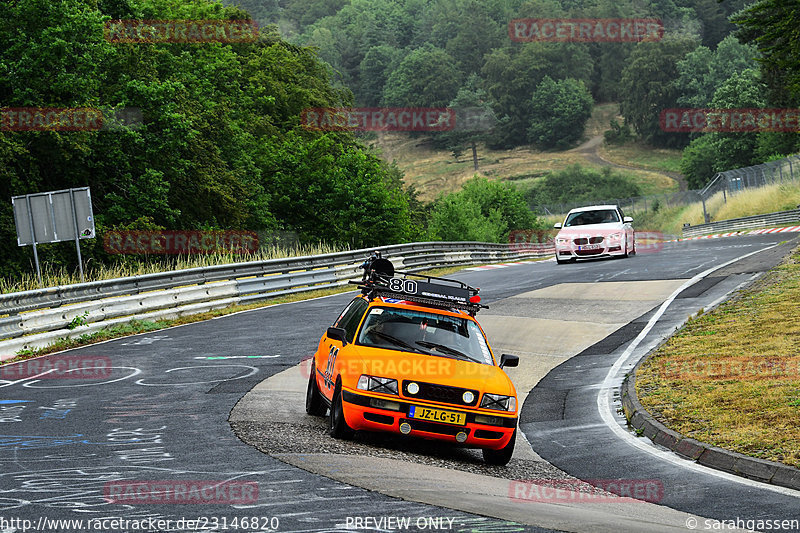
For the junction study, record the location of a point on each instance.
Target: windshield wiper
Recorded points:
(446, 349)
(398, 342)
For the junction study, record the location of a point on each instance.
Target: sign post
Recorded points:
(54, 217)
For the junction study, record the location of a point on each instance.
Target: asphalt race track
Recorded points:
(159, 413)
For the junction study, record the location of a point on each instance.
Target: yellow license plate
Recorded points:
(437, 415)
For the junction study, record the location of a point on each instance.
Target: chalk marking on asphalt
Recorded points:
(605, 396)
(226, 357)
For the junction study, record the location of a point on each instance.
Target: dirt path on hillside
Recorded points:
(590, 152)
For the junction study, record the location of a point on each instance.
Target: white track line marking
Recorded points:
(605, 397)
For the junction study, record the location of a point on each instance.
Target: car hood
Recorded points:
(591, 229)
(426, 368)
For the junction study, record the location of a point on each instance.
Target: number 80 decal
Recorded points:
(408, 286)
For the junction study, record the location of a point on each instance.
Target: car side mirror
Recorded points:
(627, 220)
(337, 334)
(557, 225)
(509, 360)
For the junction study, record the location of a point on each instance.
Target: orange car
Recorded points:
(407, 356)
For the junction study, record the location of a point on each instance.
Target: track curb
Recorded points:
(705, 454)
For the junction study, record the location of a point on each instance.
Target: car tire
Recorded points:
(337, 425)
(502, 456)
(315, 405)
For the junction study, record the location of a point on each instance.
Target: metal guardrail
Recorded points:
(751, 222)
(33, 319)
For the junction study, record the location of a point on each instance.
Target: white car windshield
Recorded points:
(600, 216)
(429, 333)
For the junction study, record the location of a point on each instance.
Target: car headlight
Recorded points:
(615, 236)
(498, 402)
(376, 384)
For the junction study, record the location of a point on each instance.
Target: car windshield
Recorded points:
(599, 216)
(429, 333)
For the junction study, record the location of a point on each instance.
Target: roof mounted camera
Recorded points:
(381, 279)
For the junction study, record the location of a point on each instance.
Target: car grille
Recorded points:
(589, 252)
(583, 240)
(440, 393)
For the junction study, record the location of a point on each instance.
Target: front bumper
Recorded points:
(573, 251)
(360, 414)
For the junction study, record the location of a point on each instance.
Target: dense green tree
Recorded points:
(703, 71)
(774, 27)
(426, 77)
(326, 190)
(482, 211)
(559, 111)
(717, 151)
(466, 30)
(203, 155)
(770, 144)
(305, 12)
(512, 73)
(713, 20)
(742, 90)
(698, 161)
(374, 70)
(474, 120)
(648, 80)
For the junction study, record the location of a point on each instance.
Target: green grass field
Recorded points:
(52, 277)
(635, 154)
(435, 172)
(731, 377)
(749, 202)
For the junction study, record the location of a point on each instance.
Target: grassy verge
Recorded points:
(770, 199)
(758, 201)
(129, 266)
(635, 154)
(731, 377)
(434, 172)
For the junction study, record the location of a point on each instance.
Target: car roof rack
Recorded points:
(381, 280)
